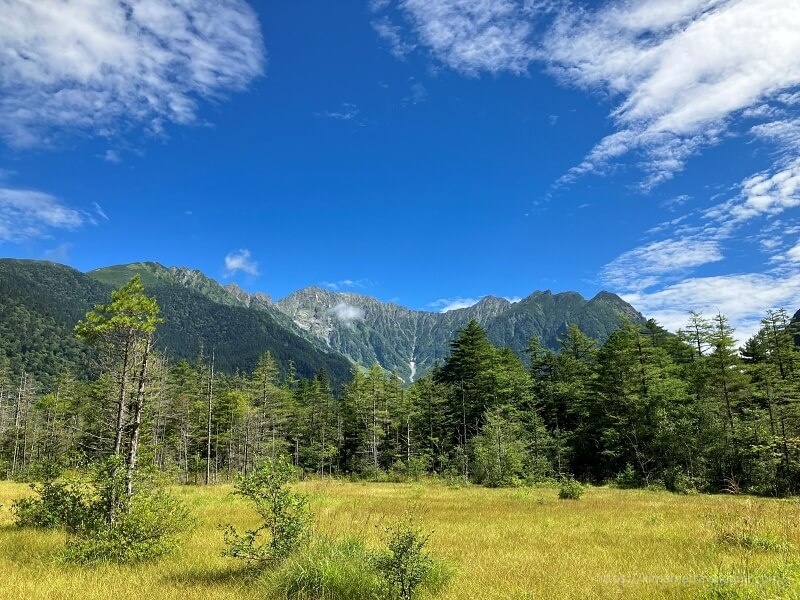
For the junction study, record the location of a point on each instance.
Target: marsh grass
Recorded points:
(500, 543)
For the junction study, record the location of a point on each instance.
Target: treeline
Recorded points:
(687, 411)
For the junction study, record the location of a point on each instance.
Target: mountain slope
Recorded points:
(200, 313)
(411, 342)
(41, 302)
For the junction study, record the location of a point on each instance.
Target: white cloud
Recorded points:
(674, 66)
(742, 298)
(104, 65)
(99, 210)
(678, 79)
(30, 214)
(769, 192)
(378, 5)
(112, 156)
(647, 265)
(448, 304)
(240, 260)
(474, 35)
(347, 313)
(59, 254)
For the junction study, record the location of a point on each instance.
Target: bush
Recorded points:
(285, 516)
(405, 564)
(101, 522)
(56, 504)
(570, 489)
(149, 527)
(342, 570)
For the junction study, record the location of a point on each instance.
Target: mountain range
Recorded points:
(40, 302)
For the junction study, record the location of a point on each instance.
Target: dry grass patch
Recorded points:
(503, 543)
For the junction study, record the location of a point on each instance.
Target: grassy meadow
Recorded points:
(501, 543)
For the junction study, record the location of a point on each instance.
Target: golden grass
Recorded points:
(504, 544)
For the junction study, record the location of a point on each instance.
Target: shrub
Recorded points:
(101, 522)
(149, 527)
(285, 516)
(56, 504)
(343, 570)
(570, 489)
(405, 564)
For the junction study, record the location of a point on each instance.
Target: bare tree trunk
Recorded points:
(136, 425)
(17, 415)
(208, 420)
(123, 384)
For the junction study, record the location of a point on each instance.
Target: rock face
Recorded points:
(410, 342)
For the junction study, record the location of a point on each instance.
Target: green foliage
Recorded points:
(56, 504)
(499, 451)
(628, 478)
(286, 519)
(405, 564)
(150, 527)
(144, 527)
(129, 312)
(570, 489)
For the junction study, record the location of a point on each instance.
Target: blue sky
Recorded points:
(427, 152)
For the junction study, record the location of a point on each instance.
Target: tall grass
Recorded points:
(501, 543)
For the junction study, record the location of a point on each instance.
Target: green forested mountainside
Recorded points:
(154, 274)
(41, 302)
(410, 342)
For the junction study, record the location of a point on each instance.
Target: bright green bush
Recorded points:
(570, 489)
(149, 527)
(286, 520)
(404, 565)
(102, 523)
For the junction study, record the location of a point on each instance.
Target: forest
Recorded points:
(685, 412)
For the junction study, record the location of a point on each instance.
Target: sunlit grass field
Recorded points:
(504, 543)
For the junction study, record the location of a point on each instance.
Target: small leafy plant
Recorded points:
(405, 564)
(570, 489)
(286, 520)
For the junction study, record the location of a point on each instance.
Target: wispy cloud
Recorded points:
(240, 261)
(59, 254)
(112, 156)
(105, 65)
(99, 210)
(347, 313)
(448, 304)
(344, 284)
(417, 94)
(679, 77)
(678, 82)
(648, 265)
(346, 112)
(30, 214)
(475, 35)
(394, 37)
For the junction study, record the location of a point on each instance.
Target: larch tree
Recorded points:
(123, 329)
